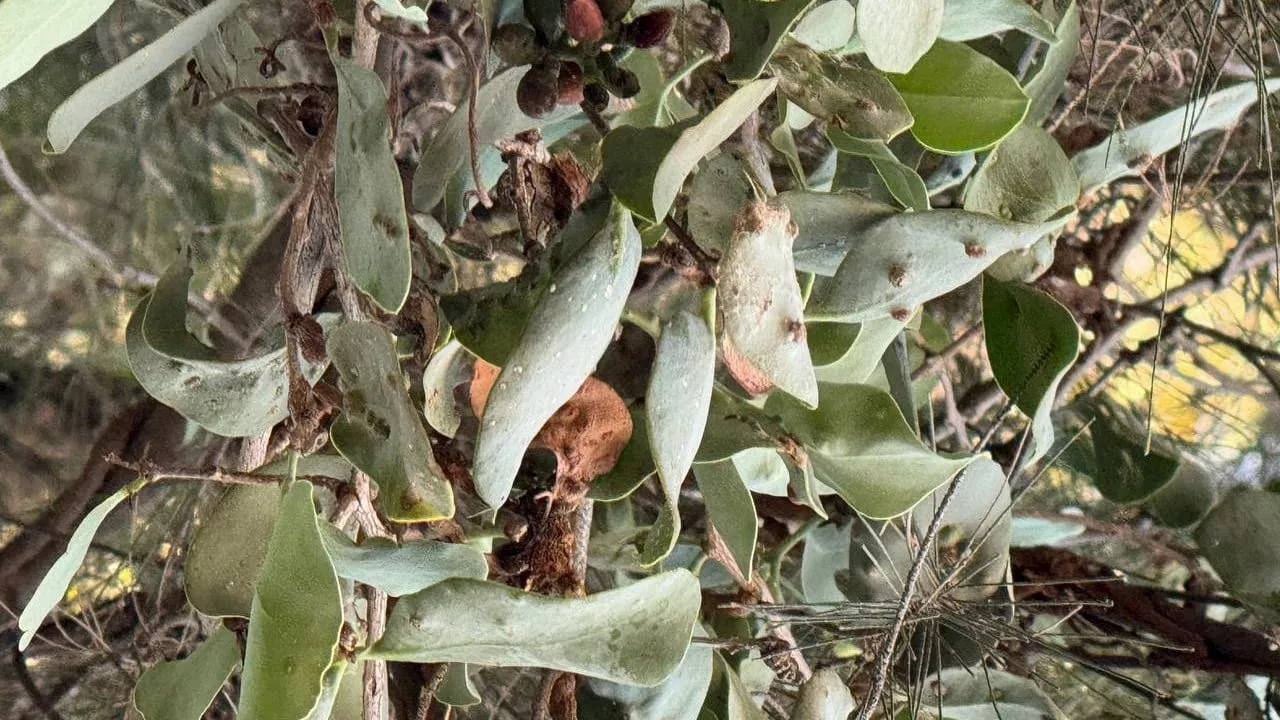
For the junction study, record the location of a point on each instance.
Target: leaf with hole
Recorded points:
(906, 259)
(31, 29)
(645, 168)
(228, 549)
(1032, 341)
(1127, 151)
(859, 101)
(400, 569)
(131, 74)
(567, 333)
(979, 18)
(896, 33)
(952, 82)
(903, 183)
(184, 689)
(379, 431)
(635, 635)
(367, 188)
(296, 617)
(877, 464)
(53, 586)
(759, 300)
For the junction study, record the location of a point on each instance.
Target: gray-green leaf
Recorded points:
(859, 101)
(755, 31)
(646, 167)
(636, 635)
(379, 431)
(897, 33)
(877, 464)
(759, 299)
(55, 582)
(1241, 540)
(825, 696)
(730, 510)
(129, 75)
(1027, 178)
(183, 689)
(446, 370)
(296, 617)
(904, 184)
(1127, 151)
(567, 333)
(830, 224)
(401, 569)
(228, 549)
(904, 260)
(978, 18)
(1046, 85)
(367, 188)
(31, 29)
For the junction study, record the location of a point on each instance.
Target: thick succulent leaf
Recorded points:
(877, 464)
(446, 159)
(676, 406)
(1127, 152)
(978, 18)
(906, 259)
(183, 689)
(228, 549)
(828, 342)
(367, 188)
(53, 586)
(716, 195)
(980, 511)
(827, 27)
(897, 33)
(679, 697)
(830, 224)
(447, 369)
(825, 696)
(379, 431)
(1050, 79)
(1186, 499)
(1027, 178)
(759, 299)
(1125, 473)
(968, 694)
(679, 397)
(645, 168)
(31, 29)
(488, 321)
(568, 331)
(636, 635)
(763, 471)
(1241, 540)
(955, 81)
(729, 695)
(903, 183)
(296, 617)
(859, 364)
(826, 553)
(1032, 341)
(341, 693)
(755, 30)
(730, 510)
(401, 569)
(131, 74)
(862, 102)
(235, 398)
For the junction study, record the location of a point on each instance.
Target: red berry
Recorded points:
(650, 29)
(584, 21)
(569, 84)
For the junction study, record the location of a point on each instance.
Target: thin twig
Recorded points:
(473, 90)
(885, 659)
(29, 685)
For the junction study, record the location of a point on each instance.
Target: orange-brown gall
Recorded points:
(974, 249)
(900, 314)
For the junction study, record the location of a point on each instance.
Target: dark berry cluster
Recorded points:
(573, 48)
